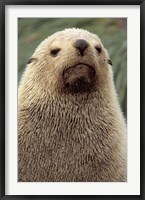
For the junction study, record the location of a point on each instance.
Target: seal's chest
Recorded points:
(68, 161)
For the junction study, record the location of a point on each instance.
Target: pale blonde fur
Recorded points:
(69, 137)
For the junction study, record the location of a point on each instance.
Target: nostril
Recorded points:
(81, 45)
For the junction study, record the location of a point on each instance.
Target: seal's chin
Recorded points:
(79, 78)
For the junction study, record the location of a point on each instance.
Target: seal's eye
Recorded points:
(31, 60)
(54, 52)
(98, 48)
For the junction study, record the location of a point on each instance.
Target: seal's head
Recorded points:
(71, 61)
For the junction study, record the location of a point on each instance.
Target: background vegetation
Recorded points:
(112, 31)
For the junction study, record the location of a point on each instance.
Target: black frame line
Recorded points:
(3, 3)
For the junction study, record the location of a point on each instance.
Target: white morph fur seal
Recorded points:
(70, 125)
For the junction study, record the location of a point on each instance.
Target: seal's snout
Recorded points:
(81, 45)
(79, 78)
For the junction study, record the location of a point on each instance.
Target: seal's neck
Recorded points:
(90, 103)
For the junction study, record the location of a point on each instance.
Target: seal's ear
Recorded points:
(31, 60)
(109, 62)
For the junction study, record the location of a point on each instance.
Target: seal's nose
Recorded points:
(81, 45)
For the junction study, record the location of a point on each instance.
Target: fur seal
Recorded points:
(70, 125)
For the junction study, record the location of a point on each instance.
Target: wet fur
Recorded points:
(69, 137)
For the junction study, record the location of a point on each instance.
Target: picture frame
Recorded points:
(3, 88)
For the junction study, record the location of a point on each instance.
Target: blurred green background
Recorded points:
(112, 31)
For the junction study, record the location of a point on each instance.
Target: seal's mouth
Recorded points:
(79, 78)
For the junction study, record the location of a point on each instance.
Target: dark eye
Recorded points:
(54, 52)
(98, 48)
(31, 60)
(109, 62)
